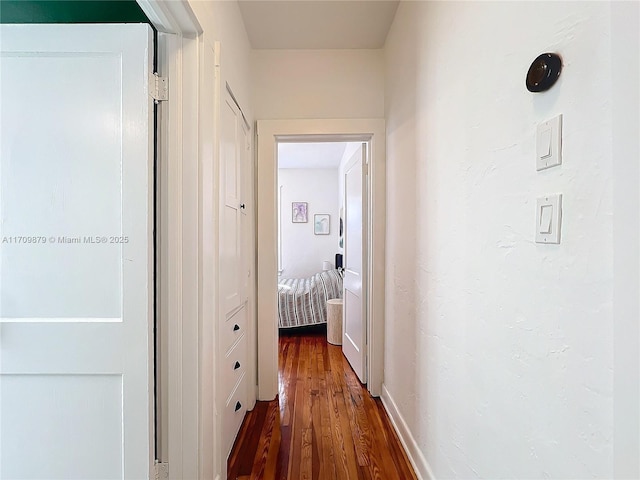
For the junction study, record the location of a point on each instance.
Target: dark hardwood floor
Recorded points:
(330, 427)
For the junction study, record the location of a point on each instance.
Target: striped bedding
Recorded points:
(303, 301)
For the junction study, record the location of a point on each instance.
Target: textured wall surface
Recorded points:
(302, 251)
(499, 351)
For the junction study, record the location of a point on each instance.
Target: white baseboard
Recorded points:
(419, 463)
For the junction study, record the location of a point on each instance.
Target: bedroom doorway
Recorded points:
(310, 229)
(275, 211)
(321, 201)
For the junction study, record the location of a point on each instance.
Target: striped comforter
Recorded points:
(303, 301)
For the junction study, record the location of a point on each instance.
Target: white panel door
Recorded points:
(233, 280)
(76, 252)
(354, 342)
(231, 151)
(245, 205)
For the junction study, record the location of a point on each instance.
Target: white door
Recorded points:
(76, 252)
(233, 278)
(245, 206)
(231, 156)
(354, 342)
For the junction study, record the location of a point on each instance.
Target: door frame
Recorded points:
(180, 238)
(269, 132)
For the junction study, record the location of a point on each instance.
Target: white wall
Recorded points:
(221, 22)
(291, 84)
(302, 251)
(499, 351)
(625, 52)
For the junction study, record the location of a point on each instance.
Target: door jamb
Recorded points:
(269, 132)
(178, 55)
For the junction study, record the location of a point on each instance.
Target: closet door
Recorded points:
(232, 149)
(246, 218)
(233, 281)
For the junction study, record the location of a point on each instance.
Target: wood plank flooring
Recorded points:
(255, 452)
(330, 427)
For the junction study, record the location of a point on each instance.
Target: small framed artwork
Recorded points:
(321, 223)
(299, 212)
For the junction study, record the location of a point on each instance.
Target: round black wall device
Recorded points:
(543, 72)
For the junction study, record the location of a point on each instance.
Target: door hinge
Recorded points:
(159, 88)
(161, 471)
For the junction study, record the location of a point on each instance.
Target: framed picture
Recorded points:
(321, 223)
(299, 212)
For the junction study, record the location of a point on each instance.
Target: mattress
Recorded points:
(303, 301)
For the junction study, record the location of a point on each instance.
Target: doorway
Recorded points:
(317, 206)
(270, 134)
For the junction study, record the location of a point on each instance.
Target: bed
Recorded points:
(303, 301)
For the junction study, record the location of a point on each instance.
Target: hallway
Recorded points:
(331, 428)
(138, 239)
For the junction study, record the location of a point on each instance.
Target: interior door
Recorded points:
(354, 342)
(234, 282)
(232, 150)
(245, 206)
(76, 252)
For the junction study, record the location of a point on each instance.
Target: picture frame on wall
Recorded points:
(321, 224)
(299, 212)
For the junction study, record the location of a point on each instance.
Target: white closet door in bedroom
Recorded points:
(354, 342)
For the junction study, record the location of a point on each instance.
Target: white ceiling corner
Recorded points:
(318, 24)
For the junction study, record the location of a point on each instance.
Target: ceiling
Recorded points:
(311, 155)
(318, 24)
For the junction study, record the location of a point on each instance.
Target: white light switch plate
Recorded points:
(549, 218)
(549, 143)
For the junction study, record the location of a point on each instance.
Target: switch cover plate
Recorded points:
(549, 218)
(549, 143)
